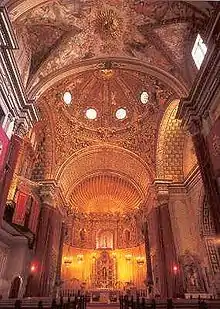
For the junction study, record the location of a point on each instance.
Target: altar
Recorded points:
(104, 296)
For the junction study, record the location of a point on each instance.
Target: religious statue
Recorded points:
(194, 281)
(82, 234)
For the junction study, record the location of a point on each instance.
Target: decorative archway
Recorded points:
(106, 158)
(15, 287)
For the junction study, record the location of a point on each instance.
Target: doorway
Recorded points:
(15, 287)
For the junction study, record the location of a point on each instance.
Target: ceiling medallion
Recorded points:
(108, 24)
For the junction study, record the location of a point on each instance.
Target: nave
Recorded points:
(109, 151)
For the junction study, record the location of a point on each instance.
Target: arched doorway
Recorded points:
(29, 286)
(15, 287)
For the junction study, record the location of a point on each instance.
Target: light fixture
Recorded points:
(67, 260)
(175, 269)
(144, 97)
(91, 113)
(128, 257)
(33, 268)
(121, 113)
(140, 260)
(79, 258)
(67, 97)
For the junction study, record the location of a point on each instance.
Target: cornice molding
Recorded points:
(38, 86)
(11, 86)
(207, 84)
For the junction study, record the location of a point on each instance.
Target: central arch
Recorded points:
(104, 158)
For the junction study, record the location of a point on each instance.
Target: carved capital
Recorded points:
(195, 126)
(162, 191)
(20, 128)
(48, 194)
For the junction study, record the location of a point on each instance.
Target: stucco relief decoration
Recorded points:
(118, 28)
(114, 226)
(216, 145)
(137, 132)
(194, 280)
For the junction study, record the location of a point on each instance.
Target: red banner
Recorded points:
(35, 211)
(4, 144)
(20, 208)
(6, 178)
(214, 146)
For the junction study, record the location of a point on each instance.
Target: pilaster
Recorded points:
(48, 242)
(167, 258)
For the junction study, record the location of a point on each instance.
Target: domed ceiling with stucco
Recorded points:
(106, 53)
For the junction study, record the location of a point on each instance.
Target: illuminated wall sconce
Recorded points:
(140, 260)
(79, 258)
(114, 256)
(67, 260)
(175, 269)
(128, 257)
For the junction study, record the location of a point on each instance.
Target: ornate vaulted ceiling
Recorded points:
(106, 52)
(61, 33)
(72, 131)
(105, 192)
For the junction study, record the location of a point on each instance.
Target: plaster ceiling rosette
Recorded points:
(80, 30)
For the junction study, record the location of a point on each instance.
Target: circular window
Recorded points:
(67, 97)
(91, 113)
(121, 113)
(144, 97)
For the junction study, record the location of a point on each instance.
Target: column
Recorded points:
(47, 244)
(148, 258)
(167, 258)
(7, 175)
(59, 261)
(205, 165)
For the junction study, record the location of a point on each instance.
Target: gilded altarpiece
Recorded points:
(103, 251)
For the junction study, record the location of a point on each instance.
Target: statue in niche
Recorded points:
(82, 234)
(104, 239)
(194, 281)
(127, 236)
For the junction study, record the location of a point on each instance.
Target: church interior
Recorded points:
(109, 148)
